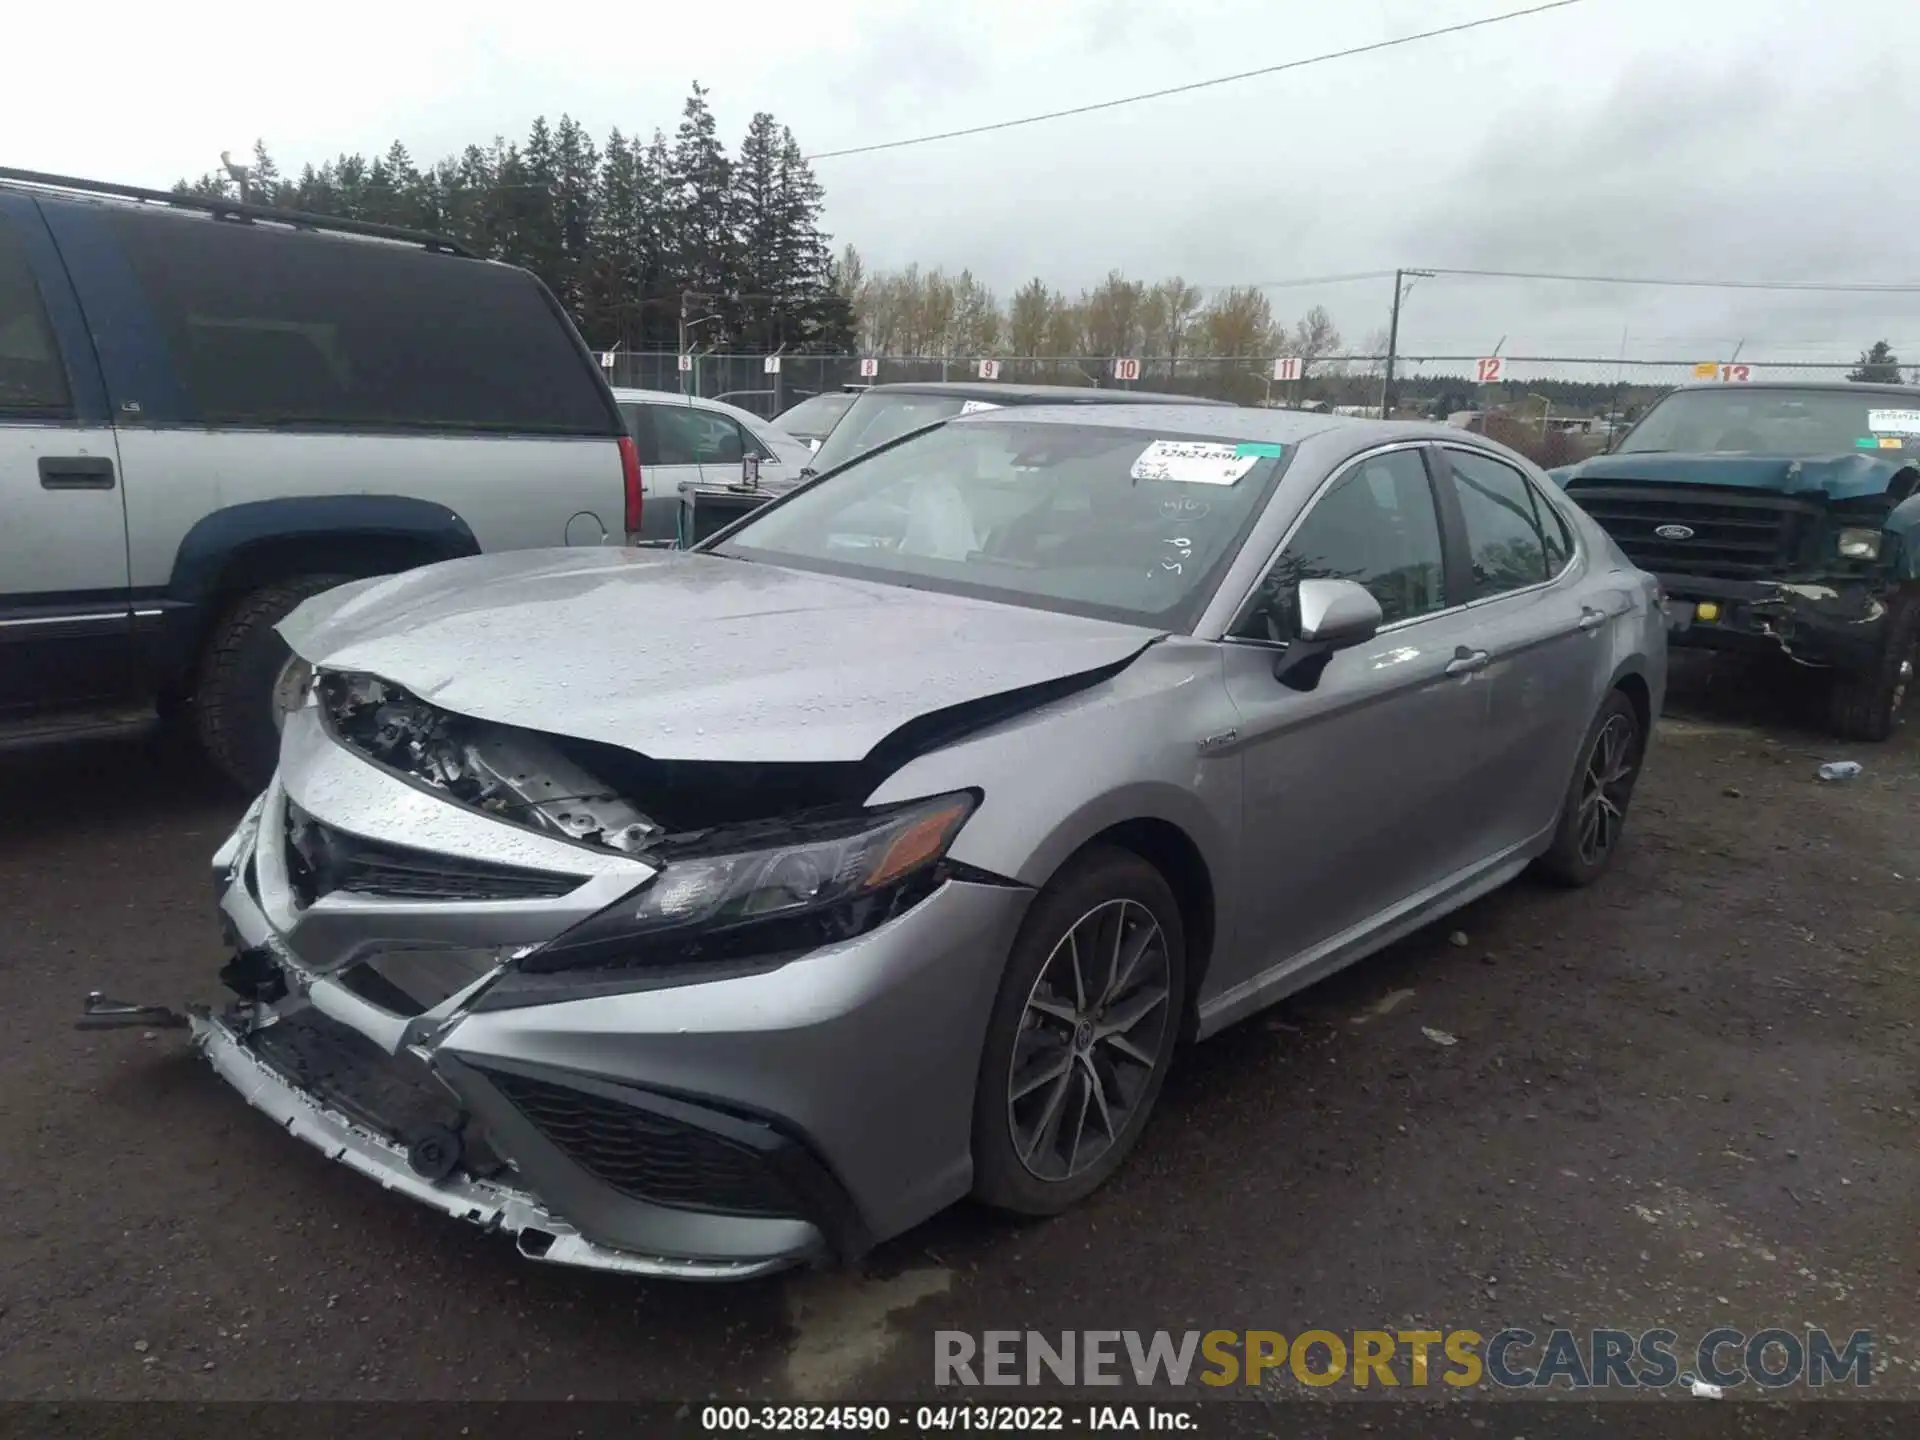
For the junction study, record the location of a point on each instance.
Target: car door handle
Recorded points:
(1466, 662)
(1591, 619)
(76, 472)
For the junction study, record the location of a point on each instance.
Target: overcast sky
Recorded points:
(1741, 139)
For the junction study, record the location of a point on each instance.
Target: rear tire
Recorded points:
(1097, 1058)
(1594, 813)
(1868, 704)
(233, 703)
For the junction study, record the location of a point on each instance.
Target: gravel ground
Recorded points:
(1686, 1096)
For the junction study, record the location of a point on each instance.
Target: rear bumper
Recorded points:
(1828, 621)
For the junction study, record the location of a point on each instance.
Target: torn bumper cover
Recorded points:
(1838, 621)
(484, 1203)
(710, 1123)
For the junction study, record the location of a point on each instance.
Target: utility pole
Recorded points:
(1401, 285)
(1393, 345)
(238, 172)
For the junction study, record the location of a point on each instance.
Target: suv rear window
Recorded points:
(277, 329)
(32, 381)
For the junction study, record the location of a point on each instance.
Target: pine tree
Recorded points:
(660, 287)
(264, 184)
(615, 268)
(623, 237)
(698, 205)
(1878, 365)
(575, 184)
(819, 316)
(533, 202)
(766, 317)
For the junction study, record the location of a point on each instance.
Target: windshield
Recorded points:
(812, 418)
(879, 416)
(1737, 421)
(1129, 525)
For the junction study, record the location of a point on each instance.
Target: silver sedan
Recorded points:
(704, 913)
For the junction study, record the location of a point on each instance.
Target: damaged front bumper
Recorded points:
(688, 1127)
(540, 1234)
(1827, 621)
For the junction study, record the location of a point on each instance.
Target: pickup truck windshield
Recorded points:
(1802, 423)
(1125, 525)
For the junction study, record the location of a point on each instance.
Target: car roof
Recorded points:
(1234, 422)
(1012, 393)
(1850, 387)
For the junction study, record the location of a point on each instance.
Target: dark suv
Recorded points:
(1781, 519)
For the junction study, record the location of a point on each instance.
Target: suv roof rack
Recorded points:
(234, 210)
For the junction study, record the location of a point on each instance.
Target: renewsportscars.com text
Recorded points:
(1514, 1358)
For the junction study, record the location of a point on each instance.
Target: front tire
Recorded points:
(1594, 812)
(1867, 704)
(1082, 1034)
(243, 672)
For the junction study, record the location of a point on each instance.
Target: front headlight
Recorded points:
(767, 890)
(1858, 544)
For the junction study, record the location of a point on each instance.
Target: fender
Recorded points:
(175, 620)
(216, 538)
(1903, 524)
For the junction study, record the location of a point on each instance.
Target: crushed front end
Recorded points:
(1783, 571)
(467, 966)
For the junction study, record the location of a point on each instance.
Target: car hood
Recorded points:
(689, 656)
(1838, 477)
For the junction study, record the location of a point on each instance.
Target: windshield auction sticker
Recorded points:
(1193, 462)
(1894, 422)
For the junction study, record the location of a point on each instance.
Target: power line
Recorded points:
(1195, 85)
(1303, 280)
(1823, 287)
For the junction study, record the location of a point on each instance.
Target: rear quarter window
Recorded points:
(33, 383)
(270, 328)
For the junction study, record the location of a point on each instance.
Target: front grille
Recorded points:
(1737, 534)
(647, 1156)
(321, 860)
(361, 1081)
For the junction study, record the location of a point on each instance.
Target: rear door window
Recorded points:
(677, 433)
(271, 328)
(33, 382)
(1515, 539)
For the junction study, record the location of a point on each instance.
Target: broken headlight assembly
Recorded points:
(758, 893)
(1858, 543)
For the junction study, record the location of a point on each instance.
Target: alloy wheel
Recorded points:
(1605, 787)
(1091, 1038)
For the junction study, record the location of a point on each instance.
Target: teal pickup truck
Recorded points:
(1780, 518)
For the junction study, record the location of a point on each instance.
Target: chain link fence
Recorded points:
(1554, 408)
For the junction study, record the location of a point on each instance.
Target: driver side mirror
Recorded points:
(1335, 615)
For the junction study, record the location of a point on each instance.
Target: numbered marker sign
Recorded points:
(1287, 367)
(606, 359)
(771, 364)
(1736, 374)
(686, 362)
(869, 367)
(1486, 370)
(989, 369)
(1126, 369)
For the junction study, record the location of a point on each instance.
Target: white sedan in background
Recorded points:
(684, 438)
